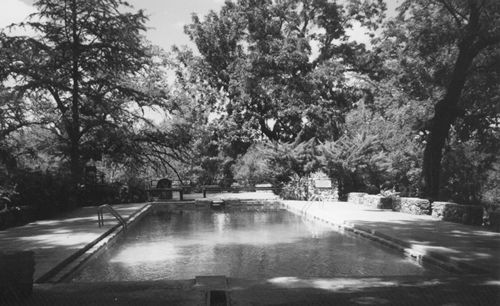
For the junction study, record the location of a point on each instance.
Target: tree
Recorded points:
(356, 161)
(283, 64)
(13, 113)
(81, 72)
(199, 110)
(275, 69)
(454, 39)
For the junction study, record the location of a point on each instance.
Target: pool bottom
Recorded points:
(242, 244)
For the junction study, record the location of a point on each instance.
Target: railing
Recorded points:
(316, 197)
(321, 198)
(100, 215)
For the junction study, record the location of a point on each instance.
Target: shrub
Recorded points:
(46, 192)
(356, 162)
(253, 167)
(469, 175)
(277, 163)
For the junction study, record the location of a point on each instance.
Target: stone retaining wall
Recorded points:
(414, 206)
(356, 197)
(465, 214)
(377, 201)
(370, 200)
(446, 211)
(229, 202)
(328, 194)
(320, 187)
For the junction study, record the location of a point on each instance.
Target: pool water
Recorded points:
(242, 244)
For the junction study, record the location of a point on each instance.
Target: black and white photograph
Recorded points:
(249, 152)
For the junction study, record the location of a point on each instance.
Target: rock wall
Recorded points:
(377, 201)
(325, 194)
(414, 206)
(370, 200)
(465, 214)
(321, 188)
(446, 211)
(356, 197)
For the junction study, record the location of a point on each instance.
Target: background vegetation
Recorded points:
(276, 91)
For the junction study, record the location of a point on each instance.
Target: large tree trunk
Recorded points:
(446, 110)
(74, 133)
(445, 114)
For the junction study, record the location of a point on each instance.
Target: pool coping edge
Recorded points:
(72, 263)
(404, 247)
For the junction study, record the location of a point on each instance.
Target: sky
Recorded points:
(166, 17)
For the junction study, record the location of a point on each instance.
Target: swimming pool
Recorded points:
(249, 244)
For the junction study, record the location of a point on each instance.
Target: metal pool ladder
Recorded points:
(100, 216)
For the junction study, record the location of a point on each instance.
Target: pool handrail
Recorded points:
(100, 216)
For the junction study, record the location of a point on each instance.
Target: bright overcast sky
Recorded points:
(166, 17)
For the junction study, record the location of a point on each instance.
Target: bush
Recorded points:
(114, 193)
(15, 216)
(280, 164)
(490, 191)
(253, 167)
(46, 192)
(469, 174)
(358, 163)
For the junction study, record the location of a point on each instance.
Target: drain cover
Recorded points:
(217, 298)
(215, 286)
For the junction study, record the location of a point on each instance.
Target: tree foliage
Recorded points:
(282, 64)
(276, 91)
(83, 72)
(454, 60)
(277, 163)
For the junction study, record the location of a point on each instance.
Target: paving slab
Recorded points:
(54, 240)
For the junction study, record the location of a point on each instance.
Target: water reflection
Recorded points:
(337, 284)
(146, 252)
(245, 244)
(221, 221)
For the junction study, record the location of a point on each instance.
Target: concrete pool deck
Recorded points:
(55, 240)
(403, 290)
(468, 248)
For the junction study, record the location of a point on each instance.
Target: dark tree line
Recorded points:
(277, 81)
